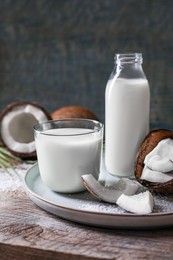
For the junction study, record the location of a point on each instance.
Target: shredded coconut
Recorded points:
(12, 179)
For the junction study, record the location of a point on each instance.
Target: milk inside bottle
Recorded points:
(127, 100)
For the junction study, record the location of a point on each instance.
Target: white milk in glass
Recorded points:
(65, 154)
(126, 123)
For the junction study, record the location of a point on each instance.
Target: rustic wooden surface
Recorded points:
(28, 232)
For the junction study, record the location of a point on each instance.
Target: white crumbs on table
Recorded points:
(12, 179)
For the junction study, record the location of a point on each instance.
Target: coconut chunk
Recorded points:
(141, 203)
(159, 163)
(130, 188)
(156, 176)
(161, 157)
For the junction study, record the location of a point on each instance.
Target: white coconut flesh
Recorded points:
(17, 128)
(159, 163)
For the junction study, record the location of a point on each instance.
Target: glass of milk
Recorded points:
(66, 150)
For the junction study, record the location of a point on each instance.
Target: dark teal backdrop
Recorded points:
(60, 52)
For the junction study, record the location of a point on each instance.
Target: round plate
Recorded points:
(84, 208)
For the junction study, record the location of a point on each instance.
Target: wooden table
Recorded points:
(28, 232)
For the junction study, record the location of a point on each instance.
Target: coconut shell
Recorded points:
(150, 142)
(10, 108)
(73, 112)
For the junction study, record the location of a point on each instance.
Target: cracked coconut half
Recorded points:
(154, 167)
(16, 127)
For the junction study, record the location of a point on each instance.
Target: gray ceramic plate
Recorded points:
(84, 208)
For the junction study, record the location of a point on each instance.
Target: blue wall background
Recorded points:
(60, 52)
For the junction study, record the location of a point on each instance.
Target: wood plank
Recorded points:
(26, 232)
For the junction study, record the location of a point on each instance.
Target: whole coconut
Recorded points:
(73, 112)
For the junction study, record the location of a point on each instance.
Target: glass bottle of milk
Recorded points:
(127, 105)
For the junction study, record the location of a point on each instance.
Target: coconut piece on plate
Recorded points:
(16, 127)
(122, 193)
(141, 203)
